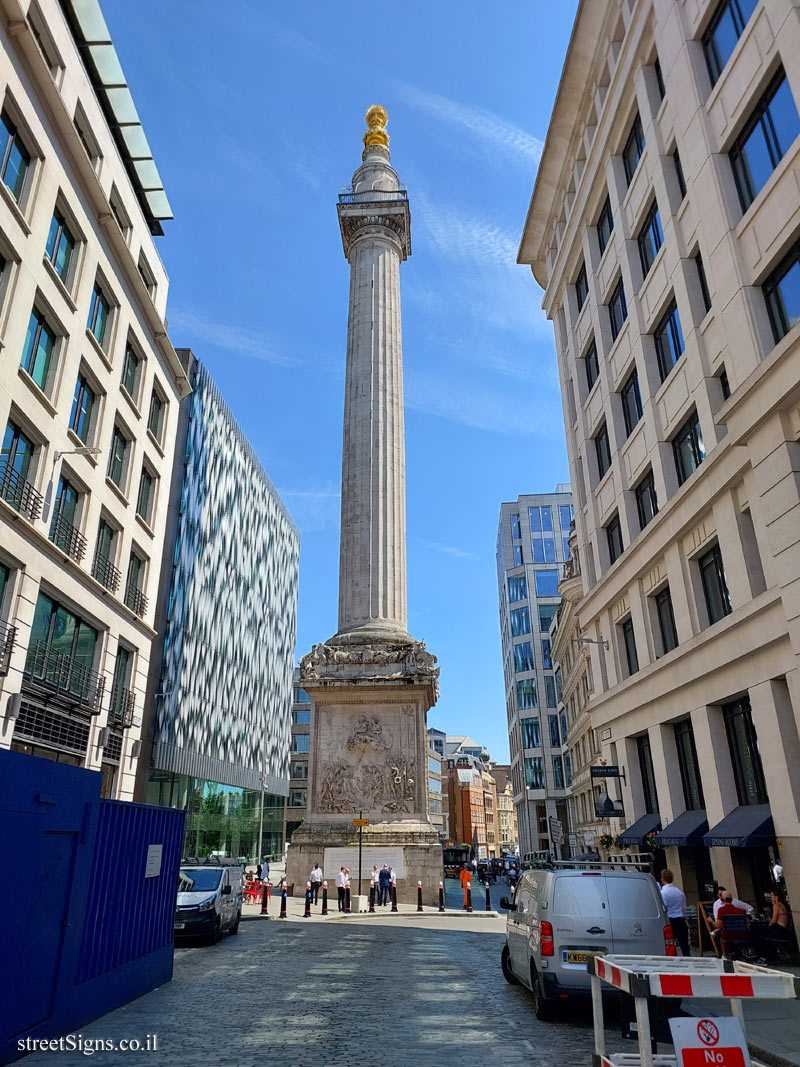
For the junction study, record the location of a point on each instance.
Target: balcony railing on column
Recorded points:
(55, 672)
(67, 538)
(122, 704)
(135, 599)
(19, 493)
(105, 572)
(8, 635)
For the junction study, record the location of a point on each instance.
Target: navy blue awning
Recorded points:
(687, 829)
(638, 831)
(749, 826)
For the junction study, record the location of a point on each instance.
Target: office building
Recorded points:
(532, 547)
(300, 746)
(507, 833)
(664, 229)
(218, 733)
(89, 393)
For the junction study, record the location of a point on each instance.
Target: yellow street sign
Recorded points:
(360, 822)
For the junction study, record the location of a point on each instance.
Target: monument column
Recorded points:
(371, 684)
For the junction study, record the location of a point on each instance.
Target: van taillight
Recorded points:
(669, 942)
(547, 943)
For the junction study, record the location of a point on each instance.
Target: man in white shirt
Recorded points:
(341, 882)
(675, 903)
(747, 908)
(316, 881)
(374, 879)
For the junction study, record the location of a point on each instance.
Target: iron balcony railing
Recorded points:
(105, 572)
(135, 599)
(122, 705)
(373, 196)
(19, 493)
(8, 635)
(67, 538)
(55, 672)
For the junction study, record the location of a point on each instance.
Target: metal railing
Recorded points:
(135, 599)
(105, 572)
(59, 673)
(122, 704)
(373, 196)
(64, 535)
(19, 493)
(8, 635)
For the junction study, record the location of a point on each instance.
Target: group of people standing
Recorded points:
(380, 884)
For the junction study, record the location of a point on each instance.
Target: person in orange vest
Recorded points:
(465, 877)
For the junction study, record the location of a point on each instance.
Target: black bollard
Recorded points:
(469, 896)
(419, 896)
(372, 900)
(265, 898)
(441, 896)
(394, 897)
(284, 895)
(488, 897)
(307, 911)
(347, 897)
(324, 898)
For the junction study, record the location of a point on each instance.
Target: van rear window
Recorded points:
(576, 895)
(633, 896)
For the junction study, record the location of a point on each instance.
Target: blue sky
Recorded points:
(255, 116)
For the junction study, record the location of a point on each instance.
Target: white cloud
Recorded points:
(491, 130)
(223, 335)
(446, 550)
(313, 509)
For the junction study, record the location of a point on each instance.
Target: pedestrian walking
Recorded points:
(675, 903)
(465, 877)
(341, 882)
(316, 881)
(384, 882)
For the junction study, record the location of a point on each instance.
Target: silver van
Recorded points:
(561, 917)
(209, 901)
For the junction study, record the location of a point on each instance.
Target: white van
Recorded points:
(561, 917)
(209, 901)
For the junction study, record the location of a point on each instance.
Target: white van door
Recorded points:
(517, 931)
(637, 914)
(581, 923)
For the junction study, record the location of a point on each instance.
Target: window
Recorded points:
(517, 554)
(555, 736)
(666, 620)
(650, 239)
(546, 661)
(300, 742)
(763, 142)
(15, 158)
(37, 355)
(715, 588)
(83, 130)
(543, 544)
(724, 384)
(515, 530)
(687, 447)
(631, 402)
(517, 589)
(123, 666)
(119, 212)
(547, 583)
(648, 775)
(724, 30)
(99, 311)
(146, 275)
(676, 159)
(748, 772)
(632, 152)
(531, 733)
(105, 541)
(144, 502)
(298, 798)
(605, 226)
(62, 524)
(15, 462)
(526, 694)
(523, 657)
(602, 450)
(300, 696)
(592, 368)
(568, 769)
(534, 772)
(546, 614)
(565, 517)
(60, 246)
(614, 537)
(301, 717)
(782, 294)
(662, 92)
(558, 772)
(668, 338)
(130, 372)
(646, 502)
(80, 419)
(298, 770)
(701, 277)
(58, 630)
(581, 286)
(560, 695)
(617, 309)
(629, 644)
(520, 622)
(550, 691)
(155, 419)
(689, 766)
(116, 461)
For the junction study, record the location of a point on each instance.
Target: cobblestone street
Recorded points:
(339, 993)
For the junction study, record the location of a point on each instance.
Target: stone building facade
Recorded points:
(664, 229)
(89, 392)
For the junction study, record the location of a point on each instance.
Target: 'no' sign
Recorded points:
(709, 1043)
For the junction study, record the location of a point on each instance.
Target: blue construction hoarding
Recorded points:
(89, 922)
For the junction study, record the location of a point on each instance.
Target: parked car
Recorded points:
(561, 917)
(209, 902)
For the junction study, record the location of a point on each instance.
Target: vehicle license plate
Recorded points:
(579, 957)
(179, 926)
